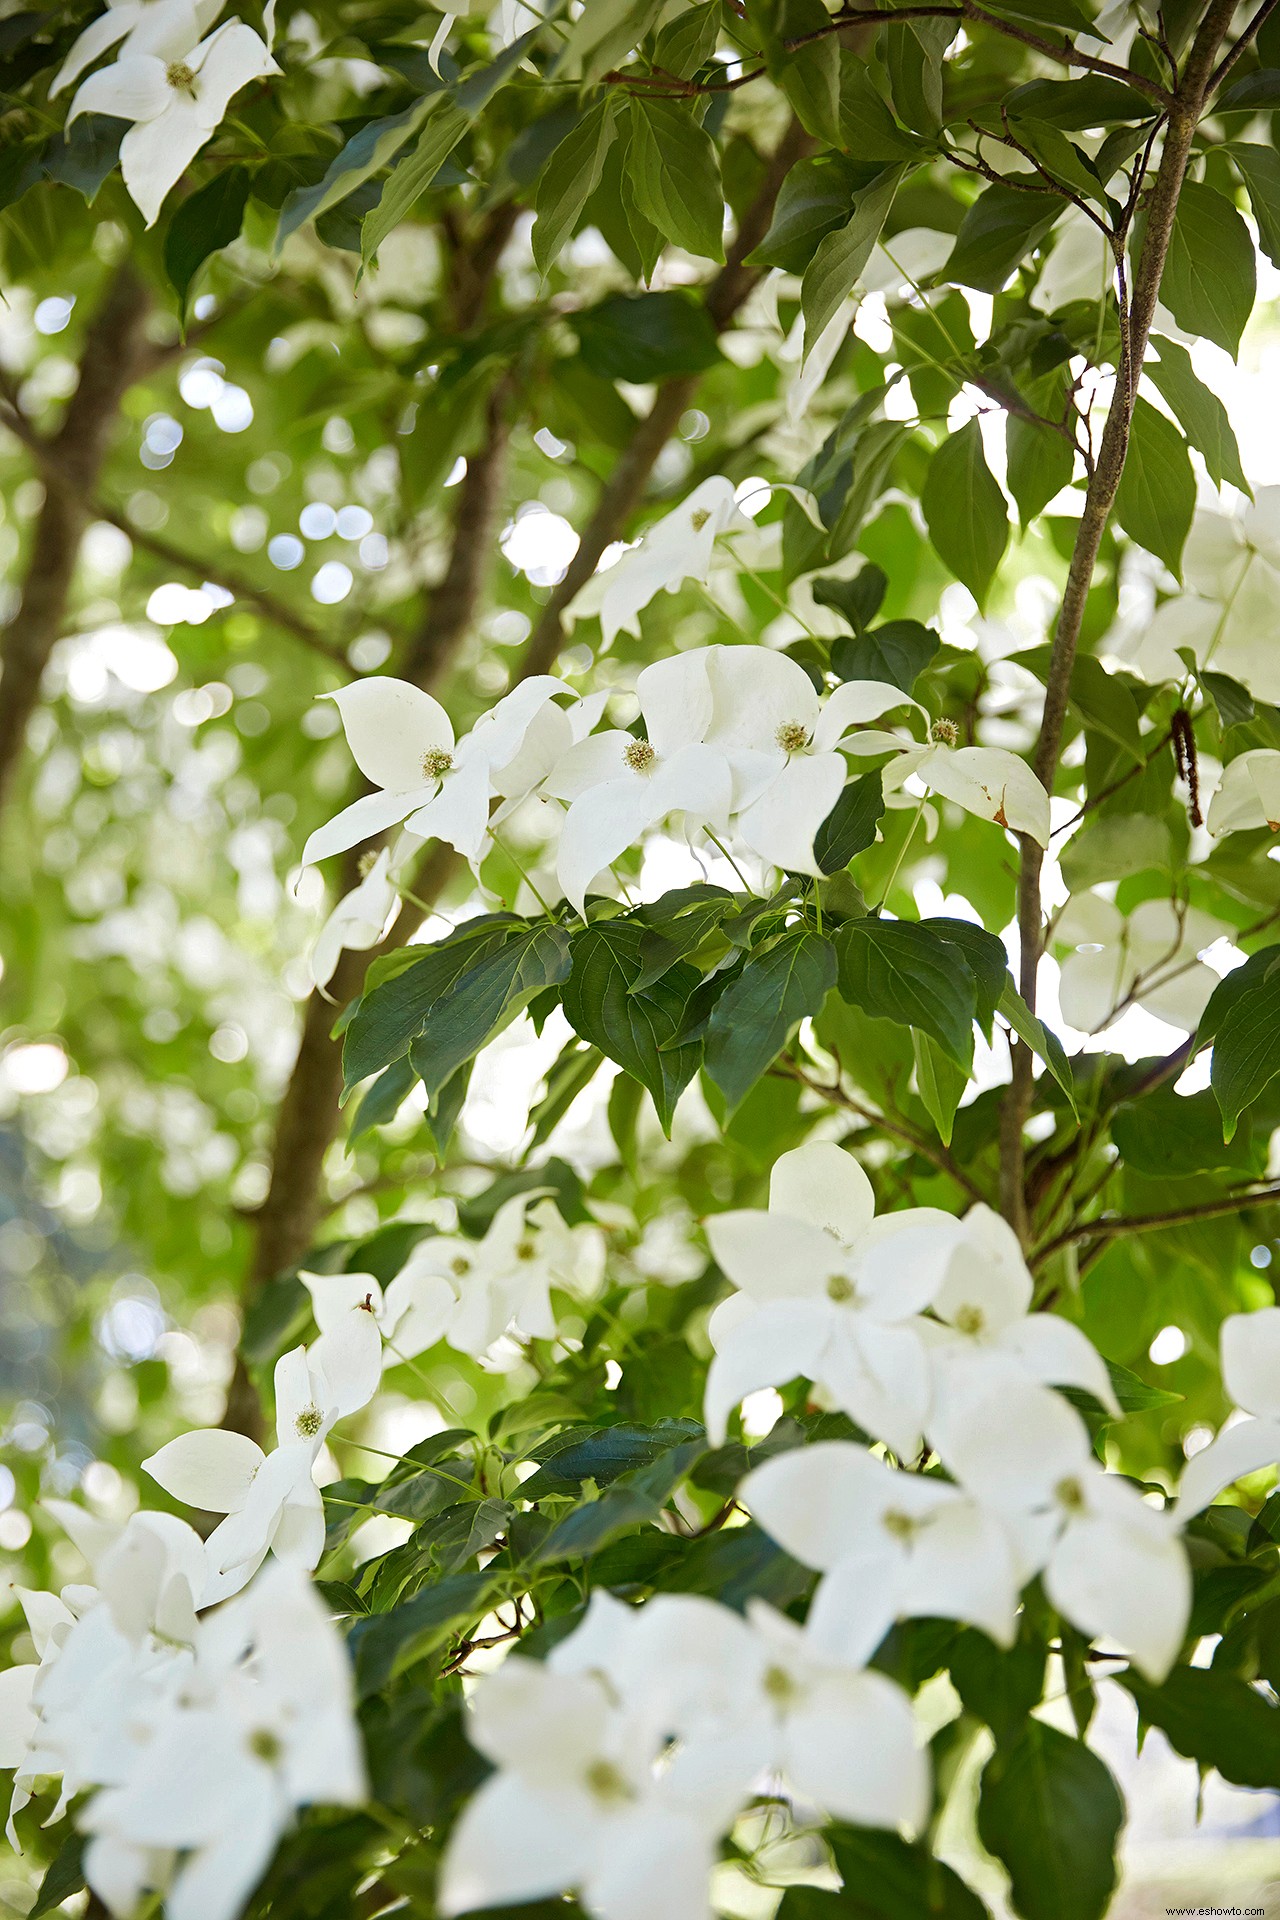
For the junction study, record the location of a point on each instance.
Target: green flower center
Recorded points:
(180, 76)
(264, 1745)
(607, 1783)
(309, 1422)
(436, 762)
(1070, 1495)
(639, 756)
(840, 1288)
(970, 1320)
(791, 736)
(779, 1685)
(903, 1526)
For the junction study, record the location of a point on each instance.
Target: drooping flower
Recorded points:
(828, 1295)
(1250, 1346)
(890, 1546)
(176, 94)
(677, 548)
(358, 921)
(990, 782)
(402, 740)
(271, 1500)
(1147, 957)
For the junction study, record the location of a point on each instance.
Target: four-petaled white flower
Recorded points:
(176, 94)
(990, 782)
(1113, 1565)
(828, 1295)
(137, 26)
(1250, 1345)
(889, 1545)
(1147, 956)
(403, 742)
(677, 548)
(271, 1500)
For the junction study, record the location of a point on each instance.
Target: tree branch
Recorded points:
(1153, 1222)
(114, 355)
(1226, 66)
(624, 489)
(1099, 500)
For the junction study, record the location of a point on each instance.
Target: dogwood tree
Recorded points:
(639, 778)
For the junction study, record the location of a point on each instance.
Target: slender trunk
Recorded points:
(1162, 206)
(115, 354)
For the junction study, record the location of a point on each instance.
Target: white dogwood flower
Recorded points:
(137, 26)
(781, 738)
(264, 1725)
(890, 1546)
(1111, 1564)
(271, 1500)
(1147, 956)
(990, 782)
(1224, 616)
(828, 1295)
(403, 742)
(617, 785)
(358, 921)
(1248, 794)
(1250, 1346)
(176, 94)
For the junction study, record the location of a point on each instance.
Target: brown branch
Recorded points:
(1227, 64)
(114, 355)
(1153, 1222)
(1162, 205)
(624, 489)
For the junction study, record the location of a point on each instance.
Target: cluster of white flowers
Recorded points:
(733, 740)
(623, 1758)
(196, 1739)
(918, 1326)
(171, 77)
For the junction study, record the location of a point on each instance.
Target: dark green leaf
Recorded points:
(777, 988)
(480, 1002)
(1051, 1812)
(63, 1877)
(897, 652)
(1041, 462)
(816, 197)
(898, 970)
(574, 1069)
(412, 174)
(1157, 493)
(939, 1082)
(999, 1686)
(1172, 1136)
(209, 220)
(850, 827)
(965, 511)
(647, 336)
(1210, 275)
(1216, 1720)
(383, 1100)
(1243, 1019)
(858, 600)
(634, 1028)
(395, 1005)
(674, 174)
(1043, 1042)
(840, 258)
(1000, 230)
(385, 1644)
(1260, 170)
(893, 1880)
(1200, 413)
(569, 179)
(1075, 105)
(88, 151)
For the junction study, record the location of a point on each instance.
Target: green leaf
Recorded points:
(814, 199)
(1000, 1686)
(383, 1099)
(1210, 275)
(965, 510)
(778, 987)
(1102, 700)
(676, 926)
(480, 1002)
(397, 1000)
(899, 970)
(602, 1454)
(897, 652)
(840, 258)
(1156, 498)
(574, 1069)
(893, 1880)
(205, 222)
(647, 336)
(1051, 1812)
(1040, 463)
(569, 179)
(63, 1877)
(385, 1644)
(939, 1081)
(1114, 845)
(1259, 168)
(985, 957)
(858, 600)
(375, 146)
(1046, 13)
(868, 128)
(809, 76)
(1214, 1719)
(412, 175)
(1200, 413)
(87, 154)
(1043, 1042)
(1076, 105)
(633, 1028)
(1174, 1136)
(674, 174)
(1243, 1019)
(688, 41)
(1002, 227)
(850, 827)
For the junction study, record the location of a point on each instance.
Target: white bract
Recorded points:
(271, 1500)
(358, 921)
(781, 739)
(827, 1295)
(1147, 957)
(137, 26)
(1224, 617)
(1250, 1345)
(1113, 1565)
(262, 1724)
(618, 785)
(403, 742)
(1248, 794)
(988, 781)
(176, 94)
(677, 548)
